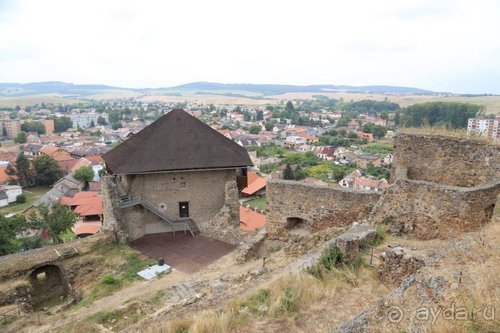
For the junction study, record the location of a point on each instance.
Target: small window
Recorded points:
(182, 184)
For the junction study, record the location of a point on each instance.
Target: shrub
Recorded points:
(288, 302)
(109, 280)
(330, 257)
(21, 198)
(258, 302)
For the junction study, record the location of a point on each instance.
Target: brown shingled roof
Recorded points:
(176, 141)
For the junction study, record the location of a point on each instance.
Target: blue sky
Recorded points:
(438, 45)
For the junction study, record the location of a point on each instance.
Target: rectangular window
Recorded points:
(182, 184)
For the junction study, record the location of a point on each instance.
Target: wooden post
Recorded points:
(371, 256)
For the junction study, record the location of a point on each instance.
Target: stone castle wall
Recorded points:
(445, 160)
(428, 210)
(319, 206)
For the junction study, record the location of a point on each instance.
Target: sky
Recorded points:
(448, 46)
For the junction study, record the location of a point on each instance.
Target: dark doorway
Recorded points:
(183, 209)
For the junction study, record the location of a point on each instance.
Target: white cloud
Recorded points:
(445, 46)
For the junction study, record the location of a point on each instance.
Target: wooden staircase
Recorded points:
(183, 224)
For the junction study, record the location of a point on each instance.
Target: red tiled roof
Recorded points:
(8, 156)
(82, 197)
(4, 176)
(82, 162)
(250, 220)
(255, 186)
(49, 150)
(68, 163)
(66, 201)
(92, 206)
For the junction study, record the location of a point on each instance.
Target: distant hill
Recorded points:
(55, 87)
(76, 90)
(276, 89)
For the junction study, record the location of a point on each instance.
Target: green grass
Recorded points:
(126, 269)
(67, 236)
(32, 194)
(378, 148)
(259, 203)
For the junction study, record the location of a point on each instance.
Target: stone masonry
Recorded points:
(319, 207)
(442, 186)
(445, 160)
(212, 196)
(397, 263)
(428, 210)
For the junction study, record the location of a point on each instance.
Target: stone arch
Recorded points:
(297, 225)
(48, 281)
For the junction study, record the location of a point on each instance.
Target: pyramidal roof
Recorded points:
(176, 141)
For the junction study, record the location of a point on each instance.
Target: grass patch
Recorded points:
(119, 258)
(378, 148)
(32, 194)
(259, 302)
(259, 203)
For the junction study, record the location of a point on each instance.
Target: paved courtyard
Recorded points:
(183, 252)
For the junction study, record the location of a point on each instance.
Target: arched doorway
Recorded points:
(297, 226)
(48, 281)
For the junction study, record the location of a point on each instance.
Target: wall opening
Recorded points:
(297, 226)
(48, 281)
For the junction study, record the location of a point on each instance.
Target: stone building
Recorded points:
(177, 174)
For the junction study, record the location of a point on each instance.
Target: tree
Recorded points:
(4, 132)
(21, 138)
(259, 115)
(47, 170)
(116, 126)
(288, 172)
(57, 220)
(61, 124)
(289, 106)
(269, 126)
(9, 228)
(22, 171)
(33, 126)
(84, 174)
(254, 129)
(343, 121)
(300, 173)
(101, 121)
(92, 123)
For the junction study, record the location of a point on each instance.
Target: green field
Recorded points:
(23, 101)
(259, 203)
(32, 194)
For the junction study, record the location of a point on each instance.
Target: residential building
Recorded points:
(486, 127)
(49, 126)
(12, 128)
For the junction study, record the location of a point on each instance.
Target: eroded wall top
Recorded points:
(445, 159)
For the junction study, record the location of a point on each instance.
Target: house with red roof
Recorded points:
(251, 220)
(87, 205)
(256, 185)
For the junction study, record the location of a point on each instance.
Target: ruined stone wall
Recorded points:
(319, 206)
(428, 210)
(225, 225)
(112, 217)
(444, 159)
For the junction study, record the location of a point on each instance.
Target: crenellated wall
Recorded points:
(318, 206)
(446, 160)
